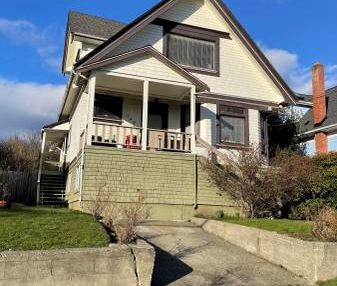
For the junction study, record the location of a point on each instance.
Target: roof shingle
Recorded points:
(93, 26)
(306, 123)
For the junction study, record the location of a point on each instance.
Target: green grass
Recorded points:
(332, 282)
(296, 228)
(29, 228)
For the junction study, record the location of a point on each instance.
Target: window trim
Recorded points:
(198, 33)
(233, 145)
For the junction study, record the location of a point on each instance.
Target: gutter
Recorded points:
(325, 128)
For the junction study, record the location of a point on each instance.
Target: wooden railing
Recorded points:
(115, 135)
(169, 141)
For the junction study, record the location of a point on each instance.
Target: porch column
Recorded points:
(91, 102)
(193, 113)
(145, 113)
(43, 144)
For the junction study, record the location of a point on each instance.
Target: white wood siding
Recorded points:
(254, 128)
(148, 67)
(200, 13)
(78, 123)
(240, 73)
(151, 35)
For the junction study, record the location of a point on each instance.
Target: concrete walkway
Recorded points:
(187, 255)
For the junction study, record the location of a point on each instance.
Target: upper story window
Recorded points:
(194, 48)
(192, 53)
(232, 126)
(108, 107)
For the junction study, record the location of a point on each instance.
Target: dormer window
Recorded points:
(192, 53)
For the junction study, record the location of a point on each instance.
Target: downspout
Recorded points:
(195, 179)
(40, 166)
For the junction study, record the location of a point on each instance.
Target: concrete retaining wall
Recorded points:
(315, 261)
(116, 265)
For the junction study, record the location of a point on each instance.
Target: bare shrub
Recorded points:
(260, 190)
(120, 218)
(325, 225)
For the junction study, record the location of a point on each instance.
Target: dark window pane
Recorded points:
(232, 129)
(191, 52)
(108, 107)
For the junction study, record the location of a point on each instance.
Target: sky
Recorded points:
(292, 33)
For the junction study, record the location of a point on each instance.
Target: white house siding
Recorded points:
(200, 13)
(77, 123)
(254, 128)
(208, 123)
(240, 74)
(148, 67)
(152, 35)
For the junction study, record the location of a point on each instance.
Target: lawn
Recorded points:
(328, 283)
(29, 228)
(296, 228)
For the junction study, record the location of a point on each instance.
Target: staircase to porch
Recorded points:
(52, 189)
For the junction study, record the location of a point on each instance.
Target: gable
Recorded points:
(245, 71)
(145, 66)
(199, 13)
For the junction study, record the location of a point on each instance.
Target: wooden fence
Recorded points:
(21, 187)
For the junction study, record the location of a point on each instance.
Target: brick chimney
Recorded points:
(319, 106)
(318, 93)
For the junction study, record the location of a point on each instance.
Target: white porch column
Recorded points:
(91, 102)
(43, 144)
(145, 113)
(193, 115)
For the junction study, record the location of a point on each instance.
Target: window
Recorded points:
(108, 107)
(191, 52)
(233, 124)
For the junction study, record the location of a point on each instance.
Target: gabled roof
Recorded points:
(306, 124)
(162, 7)
(147, 50)
(96, 27)
(89, 26)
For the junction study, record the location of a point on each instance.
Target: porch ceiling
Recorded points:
(135, 87)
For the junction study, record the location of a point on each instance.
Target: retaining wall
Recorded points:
(118, 265)
(315, 261)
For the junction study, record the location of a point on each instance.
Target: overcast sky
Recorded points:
(293, 34)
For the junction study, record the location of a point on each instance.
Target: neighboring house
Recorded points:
(145, 100)
(318, 127)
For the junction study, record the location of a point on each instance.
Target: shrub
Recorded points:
(325, 225)
(259, 190)
(326, 188)
(120, 219)
(309, 209)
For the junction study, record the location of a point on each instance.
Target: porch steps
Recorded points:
(52, 189)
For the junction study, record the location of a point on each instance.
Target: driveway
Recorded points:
(187, 255)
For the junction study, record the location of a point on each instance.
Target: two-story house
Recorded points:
(145, 100)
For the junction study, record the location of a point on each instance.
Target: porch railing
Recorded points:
(119, 136)
(168, 140)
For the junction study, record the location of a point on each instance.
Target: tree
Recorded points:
(283, 131)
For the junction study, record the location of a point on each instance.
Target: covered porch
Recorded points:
(144, 102)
